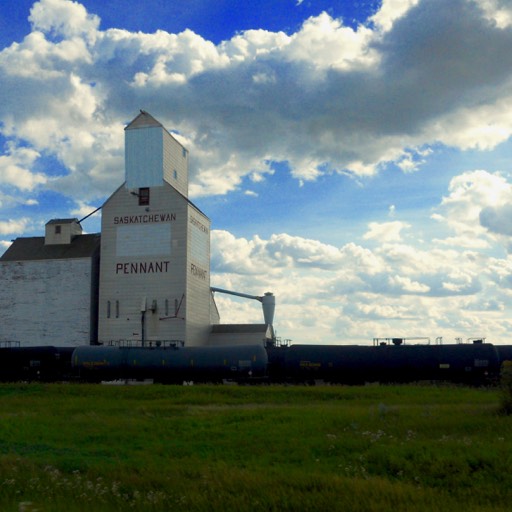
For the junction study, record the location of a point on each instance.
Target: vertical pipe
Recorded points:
(143, 327)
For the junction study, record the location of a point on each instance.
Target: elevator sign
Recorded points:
(143, 267)
(143, 240)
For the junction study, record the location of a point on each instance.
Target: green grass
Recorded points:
(217, 448)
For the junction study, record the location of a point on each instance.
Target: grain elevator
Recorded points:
(155, 246)
(145, 280)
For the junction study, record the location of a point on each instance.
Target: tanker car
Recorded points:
(171, 364)
(44, 364)
(475, 363)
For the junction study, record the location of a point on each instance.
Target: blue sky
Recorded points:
(215, 21)
(354, 157)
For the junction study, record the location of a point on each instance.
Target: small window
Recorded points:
(143, 196)
(58, 229)
(175, 174)
(184, 152)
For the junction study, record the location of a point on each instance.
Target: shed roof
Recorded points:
(34, 248)
(62, 221)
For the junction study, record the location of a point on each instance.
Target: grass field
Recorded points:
(230, 448)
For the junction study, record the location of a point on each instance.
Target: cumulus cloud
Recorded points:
(390, 11)
(68, 19)
(327, 98)
(15, 169)
(352, 292)
(385, 231)
(498, 11)
(13, 226)
(476, 209)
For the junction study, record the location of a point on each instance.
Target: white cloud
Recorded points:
(82, 209)
(476, 208)
(175, 59)
(354, 294)
(408, 285)
(13, 226)
(327, 98)
(477, 126)
(390, 11)
(498, 11)
(324, 43)
(15, 167)
(64, 18)
(385, 231)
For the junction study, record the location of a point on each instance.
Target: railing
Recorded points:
(278, 342)
(9, 343)
(398, 341)
(438, 341)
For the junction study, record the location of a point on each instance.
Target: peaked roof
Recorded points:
(34, 248)
(143, 120)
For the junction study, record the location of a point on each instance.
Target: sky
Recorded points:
(354, 157)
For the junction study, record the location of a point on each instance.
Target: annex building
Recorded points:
(145, 279)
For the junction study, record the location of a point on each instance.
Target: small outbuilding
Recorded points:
(49, 292)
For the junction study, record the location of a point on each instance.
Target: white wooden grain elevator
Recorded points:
(155, 246)
(144, 280)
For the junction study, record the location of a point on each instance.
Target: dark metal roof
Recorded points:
(62, 221)
(34, 248)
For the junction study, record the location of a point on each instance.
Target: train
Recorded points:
(476, 363)
(393, 361)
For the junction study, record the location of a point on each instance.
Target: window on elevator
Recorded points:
(143, 196)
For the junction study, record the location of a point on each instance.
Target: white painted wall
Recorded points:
(198, 278)
(46, 302)
(153, 155)
(156, 254)
(143, 157)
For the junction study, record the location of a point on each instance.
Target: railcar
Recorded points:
(476, 363)
(504, 352)
(39, 363)
(171, 364)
